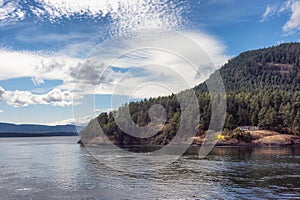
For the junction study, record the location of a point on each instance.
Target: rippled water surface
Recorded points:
(58, 168)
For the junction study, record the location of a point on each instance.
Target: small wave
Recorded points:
(24, 189)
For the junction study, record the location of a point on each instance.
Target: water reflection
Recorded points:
(226, 172)
(55, 169)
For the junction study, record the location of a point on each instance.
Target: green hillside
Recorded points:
(262, 86)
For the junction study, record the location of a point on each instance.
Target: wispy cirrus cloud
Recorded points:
(292, 7)
(53, 37)
(69, 43)
(270, 11)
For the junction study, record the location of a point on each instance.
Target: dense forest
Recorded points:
(262, 89)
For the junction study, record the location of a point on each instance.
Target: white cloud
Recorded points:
(270, 11)
(1, 111)
(2, 91)
(293, 24)
(77, 49)
(125, 14)
(80, 121)
(292, 7)
(68, 8)
(285, 6)
(37, 81)
(15, 64)
(101, 110)
(55, 97)
(11, 11)
(214, 48)
(76, 121)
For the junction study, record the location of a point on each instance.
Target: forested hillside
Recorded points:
(262, 86)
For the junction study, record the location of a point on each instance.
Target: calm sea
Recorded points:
(58, 168)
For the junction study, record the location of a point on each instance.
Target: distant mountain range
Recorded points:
(33, 130)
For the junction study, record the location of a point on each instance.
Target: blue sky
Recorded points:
(43, 45)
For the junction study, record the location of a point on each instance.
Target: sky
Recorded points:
(65, 61)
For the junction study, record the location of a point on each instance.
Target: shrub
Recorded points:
(242, 135)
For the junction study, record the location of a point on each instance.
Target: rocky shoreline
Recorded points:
(262, 138)
(259, 138)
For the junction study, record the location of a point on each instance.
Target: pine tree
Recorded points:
(230, 122)
(297, 123)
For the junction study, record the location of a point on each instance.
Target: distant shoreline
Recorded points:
(46, 134)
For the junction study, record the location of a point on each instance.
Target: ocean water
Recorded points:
(58, 168)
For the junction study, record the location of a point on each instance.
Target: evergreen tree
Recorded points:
(230, 122)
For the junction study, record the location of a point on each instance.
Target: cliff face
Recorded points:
(263, 89)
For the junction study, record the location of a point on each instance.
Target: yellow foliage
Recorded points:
(221, 137)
